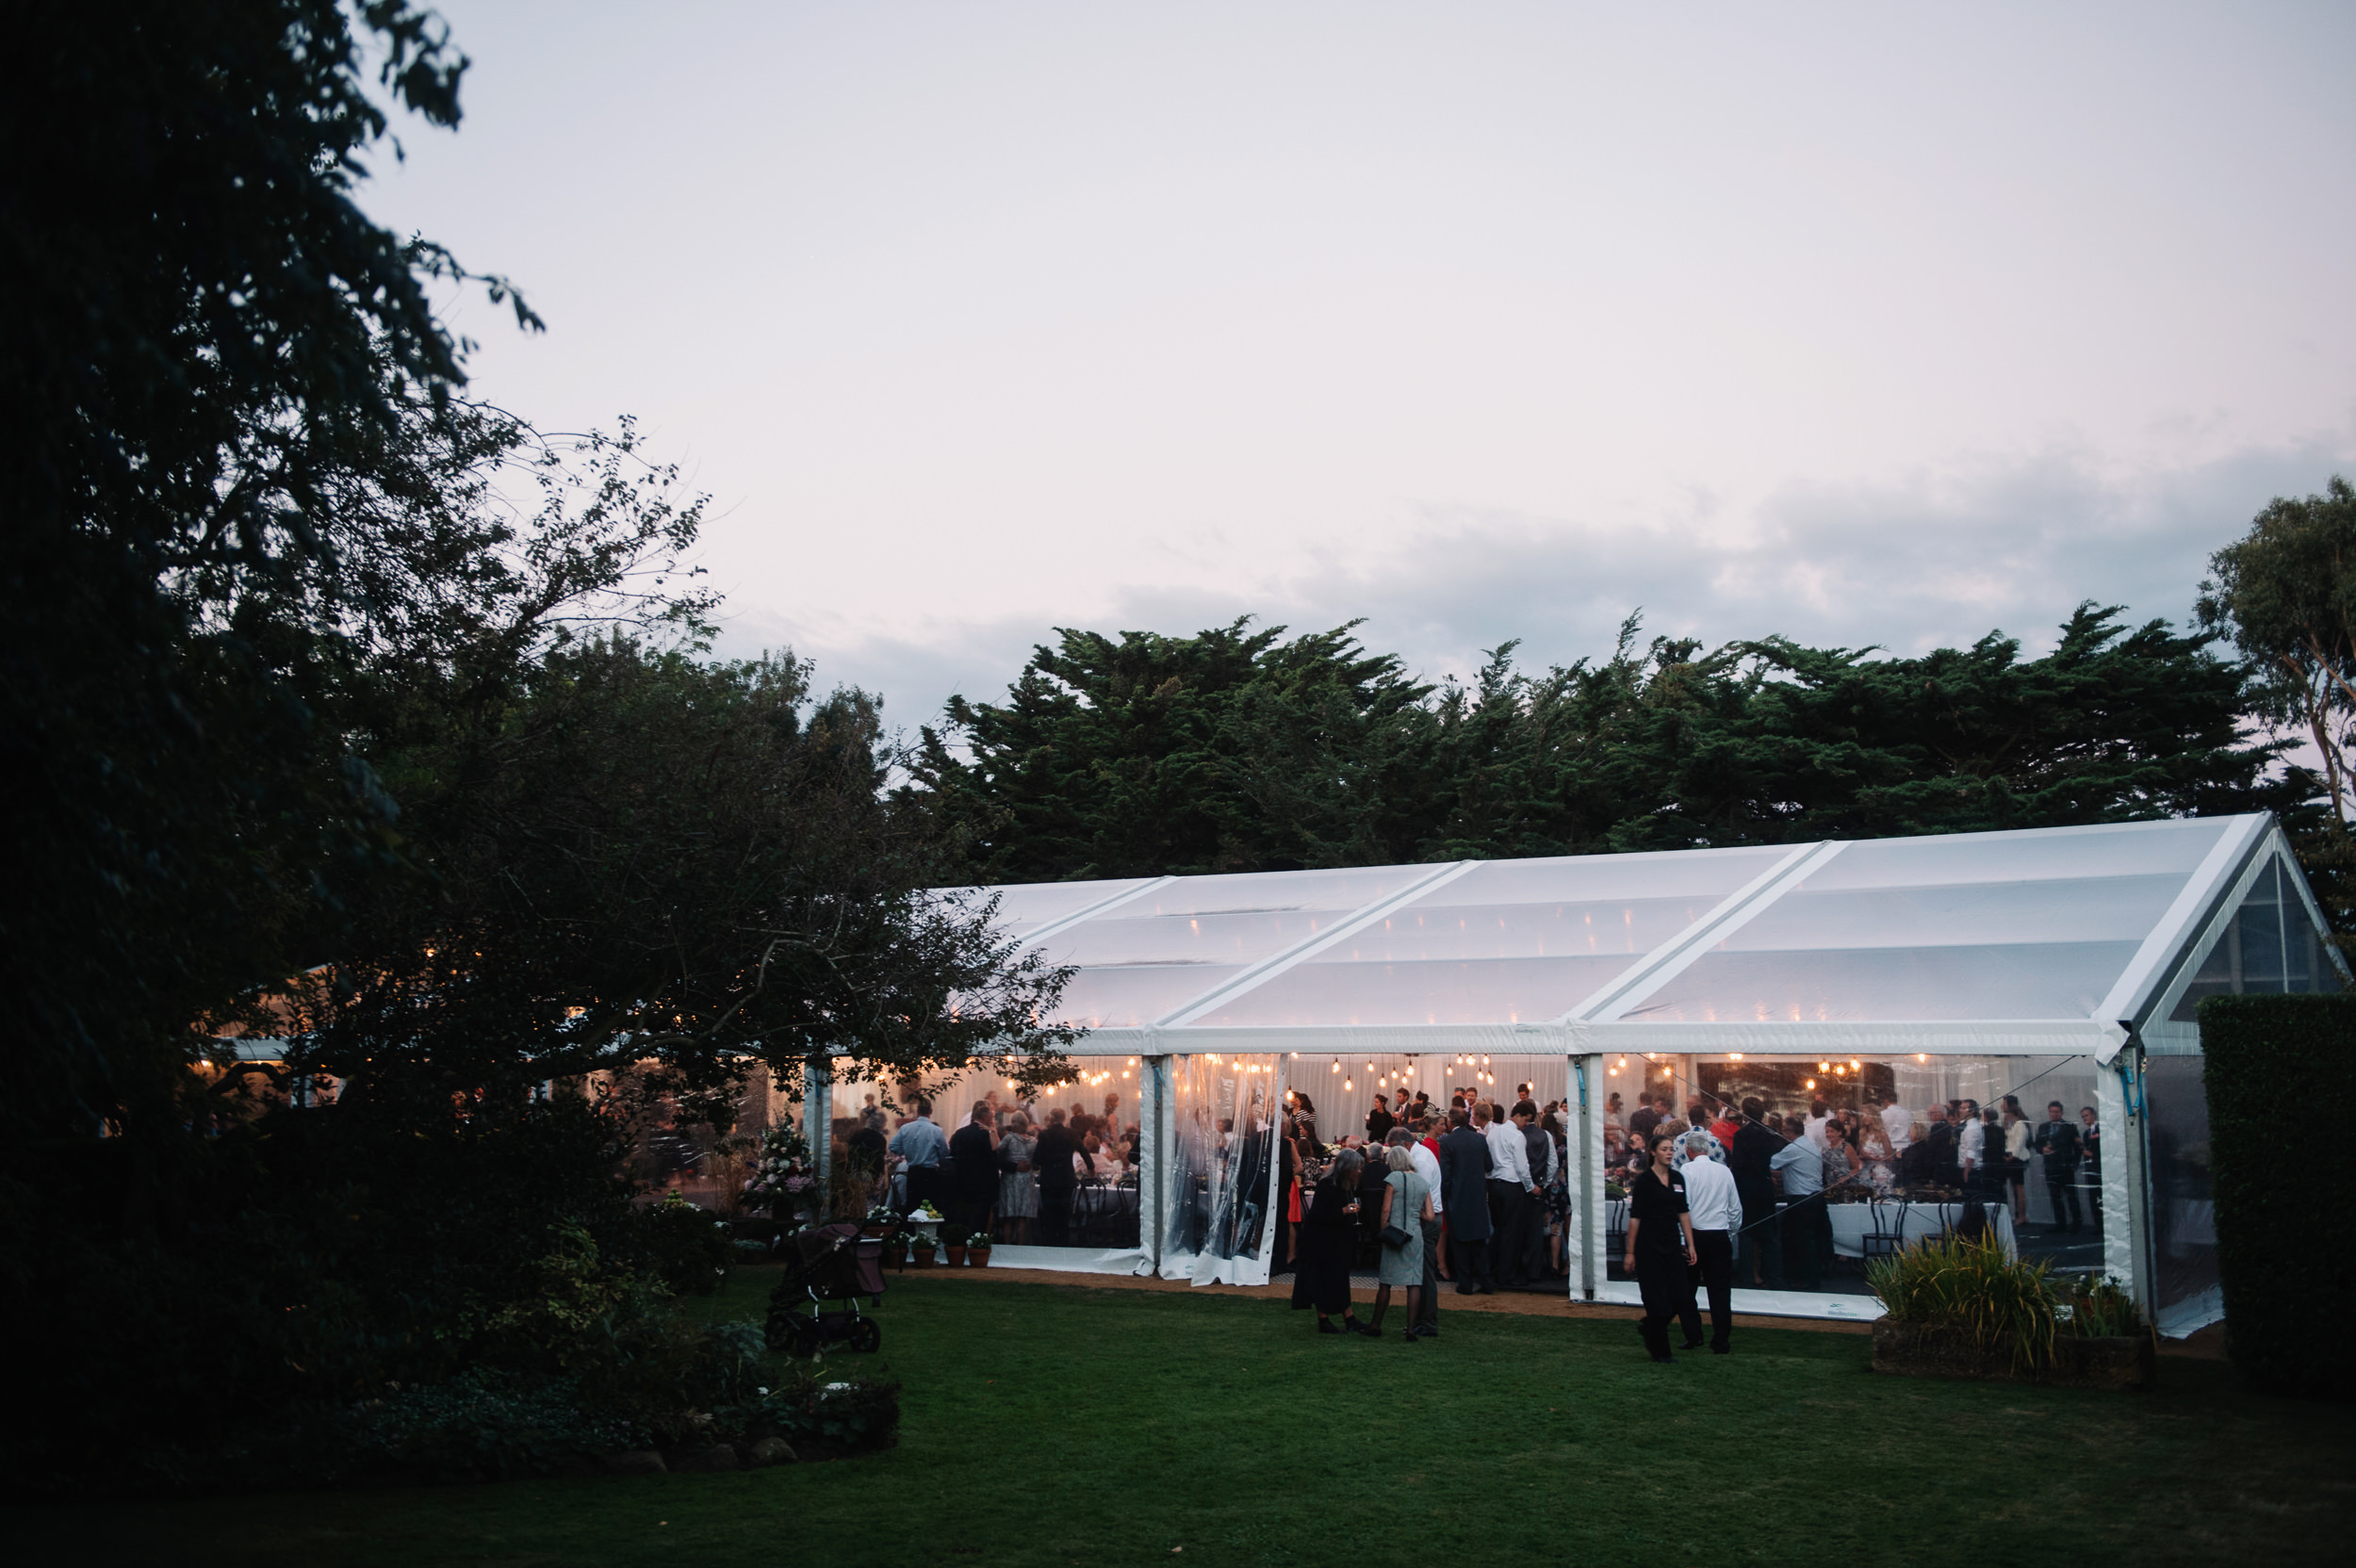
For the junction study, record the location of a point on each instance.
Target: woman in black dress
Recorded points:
(1329, 1242)
(1660, 1251)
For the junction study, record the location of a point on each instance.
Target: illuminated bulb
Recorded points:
(1852, 1067)
(1346, 1087)
(1734, 1055)
(1335, 1067)
(1824, 1067)
(1921, 1057)
(1812, 1083)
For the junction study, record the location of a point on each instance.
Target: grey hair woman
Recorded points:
(1329, 1235)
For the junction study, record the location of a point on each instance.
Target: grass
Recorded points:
(1049, 1424)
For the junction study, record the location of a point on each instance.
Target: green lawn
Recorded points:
(1050, 1424)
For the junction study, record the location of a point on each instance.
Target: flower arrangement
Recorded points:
(781, 1176)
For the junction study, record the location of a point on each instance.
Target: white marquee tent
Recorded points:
(1970, 964)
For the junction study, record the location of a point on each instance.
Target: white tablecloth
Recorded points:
(1850, 1222)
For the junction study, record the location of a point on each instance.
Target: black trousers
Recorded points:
(1428, 1308)
(1468, 1261)
(925, 1183)
(1807, 1241)
(1509, 1216)
(1668, 1293)
(1054, 1216)
(1715, 1250)
(2061, 1188)
(1761, 1247)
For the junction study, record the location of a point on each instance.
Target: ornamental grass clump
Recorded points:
(1972, 1287)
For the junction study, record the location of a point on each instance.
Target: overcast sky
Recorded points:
(1858, 323)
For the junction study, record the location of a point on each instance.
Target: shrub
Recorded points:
(484, 1426)
(1971, 1286)
(2278, 1265)
(689, 1249)
(848, 1414)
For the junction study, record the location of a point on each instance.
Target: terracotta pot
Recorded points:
(871, 1229)
(980, 1256)
(953, 1257)
(924, 1257)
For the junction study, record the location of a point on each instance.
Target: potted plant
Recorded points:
(924, 1250)
(977, 1248)
(1958, 1308)
(882, 1221)
(953, 1239)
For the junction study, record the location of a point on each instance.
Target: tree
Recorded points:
(1316, 753)
(204, 336)
(2285, 595)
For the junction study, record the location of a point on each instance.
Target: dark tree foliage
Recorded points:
(1139, 756)
(204, 334)
(2286, 594)
(1234, 752)
(634, 856)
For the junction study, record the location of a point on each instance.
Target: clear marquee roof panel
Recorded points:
(1963, 927)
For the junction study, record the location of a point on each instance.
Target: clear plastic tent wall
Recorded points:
(2089, 944)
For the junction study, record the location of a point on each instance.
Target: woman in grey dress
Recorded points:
(1017, 1189)
(1406, 1203)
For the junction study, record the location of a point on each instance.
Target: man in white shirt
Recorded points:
(1512, 1187)
(1898, 1125)
(1717, 1212)
(1426, 1322)
(1818, 1114)
(1971, 1145)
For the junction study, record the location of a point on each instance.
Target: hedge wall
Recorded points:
(2284, 1256)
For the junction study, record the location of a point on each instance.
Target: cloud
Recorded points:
(1937, 557)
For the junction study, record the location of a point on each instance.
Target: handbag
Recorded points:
(1393, 1236)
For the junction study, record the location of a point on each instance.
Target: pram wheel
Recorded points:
(867, 1336)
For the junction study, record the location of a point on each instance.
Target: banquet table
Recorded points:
(1852, 1223)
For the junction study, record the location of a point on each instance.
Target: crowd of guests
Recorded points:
(1011, 1169)
(1478, 1197)
(1785, 1168)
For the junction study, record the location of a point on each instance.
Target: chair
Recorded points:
(1884, 1239)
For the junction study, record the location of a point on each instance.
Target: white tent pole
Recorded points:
(2117, 1111)
(1588, 1205)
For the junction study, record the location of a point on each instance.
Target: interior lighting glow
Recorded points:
(1812, 1083)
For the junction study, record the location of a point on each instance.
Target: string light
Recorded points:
(1734, 1055)
(1812, 1083)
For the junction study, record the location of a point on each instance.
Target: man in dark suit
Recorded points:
(2057, 1141)
(1052, 1162)
(1761, 1253)
(974, 1170)
(1465, 1181)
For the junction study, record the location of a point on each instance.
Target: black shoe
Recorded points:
(1719, 1350)
(1409, 1335)
(1664, 1356)
(1369, 1330)
(1487, 1290)
(1351, 1326)
(1325, 1326)
(1465, 1290)
(1425, 1331)
(1691, 1345)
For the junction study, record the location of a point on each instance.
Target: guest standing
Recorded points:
(1511, 1189)
(974, 1170)
(1329, 1242)
(1807, 1227)
(1052, 1162)
(920, 1146)
(1716, 1211)
(1465, 1190)
(1406, 1204)
(1017, 1191)
(1424, 1153)
(1761, 1260)
(1660, 1252)
(2057, 1143)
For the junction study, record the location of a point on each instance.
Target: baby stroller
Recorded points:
(827, 1263)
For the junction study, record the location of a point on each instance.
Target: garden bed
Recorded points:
(1941, 1350)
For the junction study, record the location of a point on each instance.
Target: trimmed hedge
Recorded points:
(2284, 1260)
